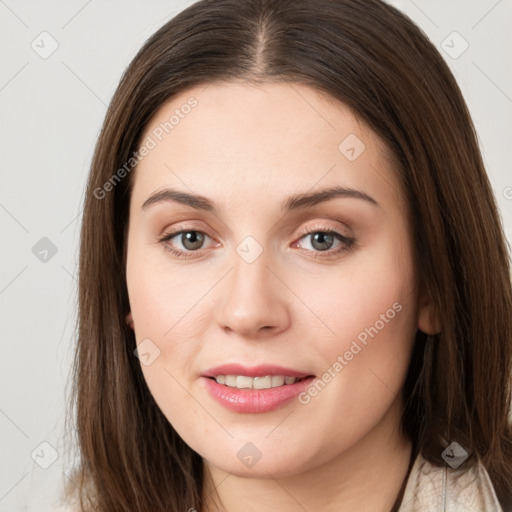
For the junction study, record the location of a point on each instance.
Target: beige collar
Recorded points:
(442, 489)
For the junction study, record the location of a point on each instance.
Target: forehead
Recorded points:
(261, 139)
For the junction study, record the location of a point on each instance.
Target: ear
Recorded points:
(129, 319)
(428, 318)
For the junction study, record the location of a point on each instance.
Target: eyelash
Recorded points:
(348, 243)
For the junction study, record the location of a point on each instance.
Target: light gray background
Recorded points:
(51, 112)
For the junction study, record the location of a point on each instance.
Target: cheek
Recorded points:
(164, 313)
(371, 294)
(369, 308)
(160, 313)
(183, 411)
(161, 295)
(372, 311)
(167, 311)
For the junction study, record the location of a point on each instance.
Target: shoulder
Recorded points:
(436, 489)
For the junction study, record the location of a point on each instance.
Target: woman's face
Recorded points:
(273, 277)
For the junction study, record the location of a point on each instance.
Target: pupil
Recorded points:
(193, 240)
(322, 237)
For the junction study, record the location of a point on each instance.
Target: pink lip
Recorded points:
(254, 401)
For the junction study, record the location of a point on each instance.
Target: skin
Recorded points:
(248, 148)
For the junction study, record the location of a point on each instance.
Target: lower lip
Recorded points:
(255, 400)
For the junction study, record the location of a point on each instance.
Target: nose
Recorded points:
(253, 302)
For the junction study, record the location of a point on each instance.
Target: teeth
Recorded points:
(277, 380)
(230, 380)
(262, 382)
(244, 382)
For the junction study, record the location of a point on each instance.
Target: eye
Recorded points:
(190, 239)
(322, 240)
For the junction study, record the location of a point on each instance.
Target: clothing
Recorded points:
(442, 489)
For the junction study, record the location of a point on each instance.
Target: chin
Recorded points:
(246, 460)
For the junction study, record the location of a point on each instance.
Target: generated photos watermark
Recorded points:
(150, 143)
(360, 342)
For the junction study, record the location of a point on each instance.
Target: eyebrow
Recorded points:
(294, 202)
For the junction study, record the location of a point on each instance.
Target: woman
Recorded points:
(294, 287)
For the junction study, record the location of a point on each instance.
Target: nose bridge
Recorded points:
(251, 273)
(253, 297)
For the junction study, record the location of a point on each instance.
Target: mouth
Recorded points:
(256, 389)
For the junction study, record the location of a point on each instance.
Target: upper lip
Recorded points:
(254, 371)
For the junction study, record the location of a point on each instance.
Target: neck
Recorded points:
(367, 476)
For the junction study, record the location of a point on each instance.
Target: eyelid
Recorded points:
(185, 227)
(321, 226)
(306, 230)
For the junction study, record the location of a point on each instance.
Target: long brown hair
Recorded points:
(371, 57)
